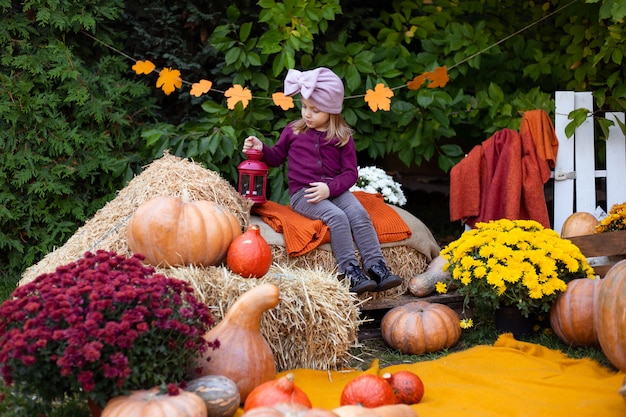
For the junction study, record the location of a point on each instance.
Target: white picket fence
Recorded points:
(578, 184)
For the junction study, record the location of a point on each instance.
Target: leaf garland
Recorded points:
(201, 87)
(169, 80)
(377, 99)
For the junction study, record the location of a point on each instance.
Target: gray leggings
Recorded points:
(349, 224)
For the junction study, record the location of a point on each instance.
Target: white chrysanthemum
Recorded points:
(374, 180)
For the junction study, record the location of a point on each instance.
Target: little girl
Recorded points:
(322, 168)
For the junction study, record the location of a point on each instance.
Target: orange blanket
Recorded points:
(509, 379)
(504, 176)
(302, 234)
(537, 124)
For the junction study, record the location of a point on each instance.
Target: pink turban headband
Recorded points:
(321, 86)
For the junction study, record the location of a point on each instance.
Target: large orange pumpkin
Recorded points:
(579, 224)
(169, 232)
(420, 327)
(151, 403)
(249, 255)
(610, 314)
(572, 316)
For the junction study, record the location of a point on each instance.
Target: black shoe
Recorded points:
(359, 282)
(383, 277)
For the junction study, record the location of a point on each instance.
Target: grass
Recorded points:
(483, 333)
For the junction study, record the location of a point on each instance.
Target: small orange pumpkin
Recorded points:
(368, 390)
(407, 386)
(572, 316)
(420, 327)
(154, 404)
(281, 390)
(169, 231)
(249, 255)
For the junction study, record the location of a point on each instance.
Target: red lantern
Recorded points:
(253, 177)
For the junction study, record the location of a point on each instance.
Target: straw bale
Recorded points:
(314, 325)
(402, 260)
(170, 176)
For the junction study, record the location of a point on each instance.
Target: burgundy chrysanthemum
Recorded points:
(101, 325)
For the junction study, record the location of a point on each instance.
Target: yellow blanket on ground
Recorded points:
(511, 378)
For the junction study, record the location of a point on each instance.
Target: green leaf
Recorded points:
(451, 150)
(570, 129)
(621, 125)
(232, 55)
(604, 126)
(244, 31)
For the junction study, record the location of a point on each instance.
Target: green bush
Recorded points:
(69, 126)
(77, 122)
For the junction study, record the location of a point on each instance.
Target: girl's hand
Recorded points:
(252, 142)
(317, 192)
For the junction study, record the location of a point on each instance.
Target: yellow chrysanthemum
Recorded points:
(467, 323)
(515, 262)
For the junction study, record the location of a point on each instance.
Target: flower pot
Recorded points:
(94, 408)
(510, 320)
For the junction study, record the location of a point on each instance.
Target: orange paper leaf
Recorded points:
(201, 87)
(417, 82)
(282, 101)
(169, 80)
(379, 98)
(143, 67)
(236, 94)
(438, 78)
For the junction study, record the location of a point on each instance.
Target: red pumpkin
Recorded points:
(407, 386)
(249, 255)
(572, 316)
(281, 390)
(368, 390)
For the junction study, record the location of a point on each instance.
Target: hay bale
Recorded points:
(169, 175)
(404, 261)
(314, 325)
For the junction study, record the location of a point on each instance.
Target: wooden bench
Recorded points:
(602, 250)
